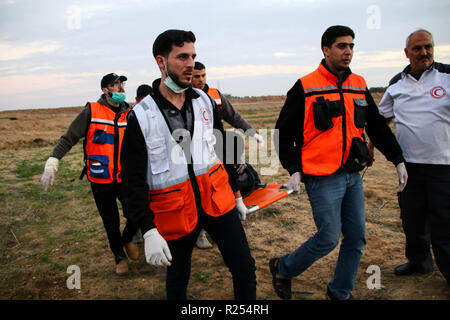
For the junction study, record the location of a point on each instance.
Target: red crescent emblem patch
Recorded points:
(438, 92)
(205, 115)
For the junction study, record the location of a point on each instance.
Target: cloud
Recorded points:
(255, 70)
(442, 52)
(284, 54)
(389, 59)
(89, 10)
(37, 82)
(10, 51)
(361, 60)
(382, 59)
(290, 3)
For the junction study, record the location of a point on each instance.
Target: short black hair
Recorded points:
(199, 66)
(143, 90)
(164, 42)
(332, 33)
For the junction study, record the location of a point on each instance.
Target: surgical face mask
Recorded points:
(172, 85)
(117, 97)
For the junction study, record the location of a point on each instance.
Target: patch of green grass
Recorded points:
(97, 254)
(202, 277)
(257, 117)
(35, 192)
(45, 258)
(58, 266)
(288, 224)
(51, 240)
(265, 213)
(27, 168)
(268, 121)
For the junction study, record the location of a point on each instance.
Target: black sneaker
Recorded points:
(282, 286)
(331, 296)
(410, 268)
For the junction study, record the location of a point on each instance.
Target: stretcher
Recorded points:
(265, 195)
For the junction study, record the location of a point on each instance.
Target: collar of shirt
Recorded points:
(190, 93)
(169, 110)
(407, 70)
(347, 72)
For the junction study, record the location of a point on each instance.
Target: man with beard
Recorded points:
(175, 183)
(102, 124)
(417, 99)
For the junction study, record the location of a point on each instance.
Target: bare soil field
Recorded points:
(43, 233)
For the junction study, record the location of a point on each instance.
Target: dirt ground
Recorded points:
(43, 233)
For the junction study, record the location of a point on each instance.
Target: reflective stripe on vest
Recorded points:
(214, 93)
(103, 144)
(326, 151)
(171, 195)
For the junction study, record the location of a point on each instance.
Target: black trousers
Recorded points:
(229, 235)
(425, 212)
(106, 196)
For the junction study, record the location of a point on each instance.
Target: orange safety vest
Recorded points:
(171, 195)
(214, 93)
(103, 144)
(325, 150)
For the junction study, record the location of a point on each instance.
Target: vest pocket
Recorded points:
(167, 207)
(98, 166)
(157, 154)
(360, 112)
(99, 136)
(222, 196)
(357, 156)
(322, 114)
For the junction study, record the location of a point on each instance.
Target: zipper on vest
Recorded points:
(116, 146)
(158, 194)
(215, 169)
(344, 126)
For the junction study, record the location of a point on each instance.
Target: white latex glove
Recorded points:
(240, 206)
(402, 176)
(259, 139)
(157, 251)
(294, 182)
(48, 177)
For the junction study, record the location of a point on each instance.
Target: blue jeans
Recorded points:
(337, 203)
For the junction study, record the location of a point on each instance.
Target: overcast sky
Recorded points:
(54, 53)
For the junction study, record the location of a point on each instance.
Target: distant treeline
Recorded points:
(377, 89)
(229, 96)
